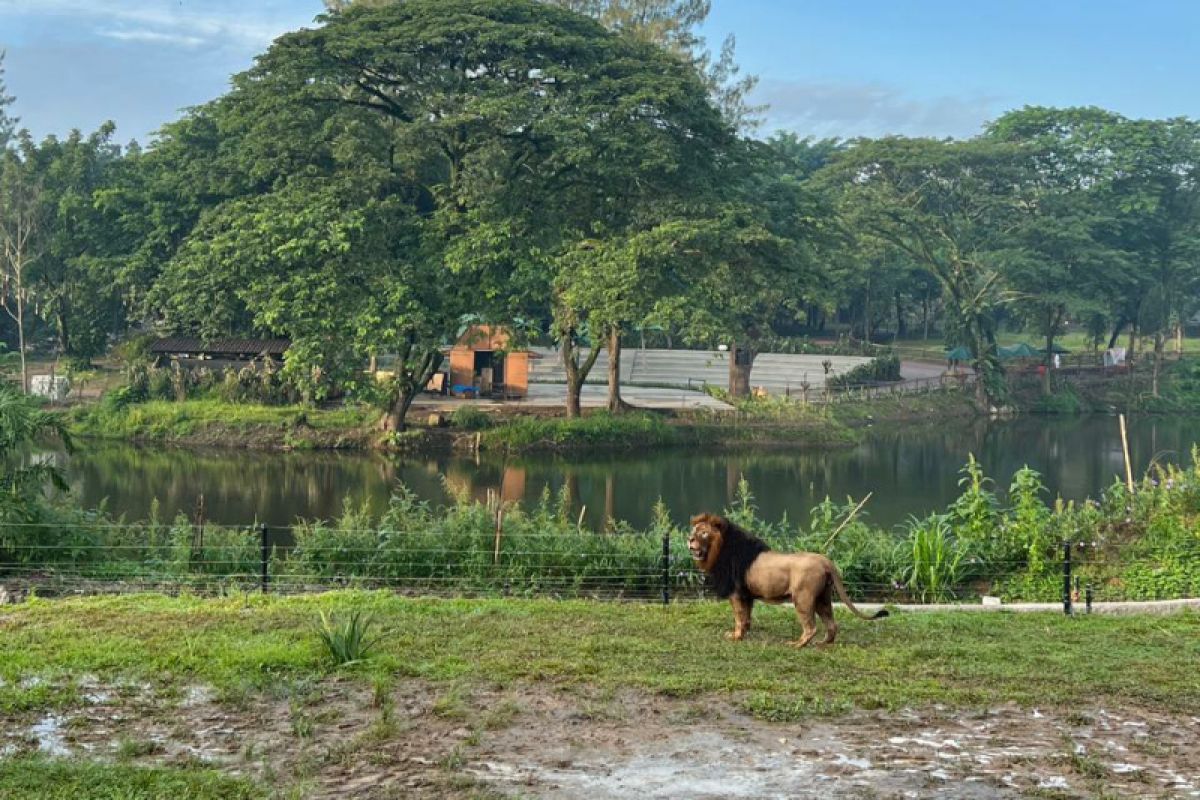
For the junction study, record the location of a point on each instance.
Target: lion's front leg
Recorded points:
(741, 618)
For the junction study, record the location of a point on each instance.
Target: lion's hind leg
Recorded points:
(808, 623)
(825, 612)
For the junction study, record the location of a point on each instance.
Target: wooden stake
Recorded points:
(499, 533)
(846, 521)
(1125, 449)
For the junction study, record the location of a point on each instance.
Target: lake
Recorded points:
(910, 471)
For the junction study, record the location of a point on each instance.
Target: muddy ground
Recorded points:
(336, 739)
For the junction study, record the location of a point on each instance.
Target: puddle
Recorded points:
(48, 733)
(198, 696)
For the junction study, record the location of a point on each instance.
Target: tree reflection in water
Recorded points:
(910, 471)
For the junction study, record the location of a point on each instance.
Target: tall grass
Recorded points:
(935, 569)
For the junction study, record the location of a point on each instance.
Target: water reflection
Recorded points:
(909, 471)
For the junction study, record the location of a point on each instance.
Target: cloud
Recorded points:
(173, 21)
(870, 109)
(152, 36)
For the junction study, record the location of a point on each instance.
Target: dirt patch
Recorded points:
(335, 738)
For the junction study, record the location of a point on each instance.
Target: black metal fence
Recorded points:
(56, 561)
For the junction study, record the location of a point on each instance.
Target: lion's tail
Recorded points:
(836, 577)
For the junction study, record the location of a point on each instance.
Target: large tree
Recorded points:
(1058, 260)
(8, 124)
(22, 239)
(74, 275)
(1154, 186)
(948, 206)
(402, 164)
(754, 261)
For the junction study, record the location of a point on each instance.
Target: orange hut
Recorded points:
(483, 365)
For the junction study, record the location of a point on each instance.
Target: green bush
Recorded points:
(470, 418)
(595, 430)
(884, 369)
(1063, 401)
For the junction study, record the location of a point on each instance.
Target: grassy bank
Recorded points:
(216, 422)
(247, 643)
(770, 422)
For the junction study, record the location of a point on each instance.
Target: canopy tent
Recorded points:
(958, 354)
(1058, 348)
(1018, 350)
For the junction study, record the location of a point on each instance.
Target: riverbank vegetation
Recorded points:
(999, 539)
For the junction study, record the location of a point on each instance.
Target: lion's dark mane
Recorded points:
(739, 548)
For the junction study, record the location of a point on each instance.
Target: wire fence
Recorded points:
(54, 560)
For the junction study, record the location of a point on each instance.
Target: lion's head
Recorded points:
(724, 551)
(704, 542)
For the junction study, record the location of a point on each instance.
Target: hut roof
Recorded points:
(217, 348)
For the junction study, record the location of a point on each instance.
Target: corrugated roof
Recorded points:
(240, 347)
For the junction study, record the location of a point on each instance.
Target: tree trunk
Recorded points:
(576, 372)
(741, 362)
(394, 418)
(867, 314)
(615, 404)
(1116, 333)
(1049, 363)
(925, 315)
(409, 385)
(21, 338)
(64, 336)
(1160, 342)
(901, 327)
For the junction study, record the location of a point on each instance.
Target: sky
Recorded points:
(838, 68)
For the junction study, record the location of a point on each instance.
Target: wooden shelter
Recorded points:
(218, 353)
(483, 365)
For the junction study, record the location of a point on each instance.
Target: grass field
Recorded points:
(245, 649)
(247, 643)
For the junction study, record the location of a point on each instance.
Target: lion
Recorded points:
(743, 568)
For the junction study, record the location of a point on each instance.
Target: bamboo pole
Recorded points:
(846, 521)
(499, 533)
(1125, 449)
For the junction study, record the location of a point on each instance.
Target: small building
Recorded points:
(482, 364)
(218, 353)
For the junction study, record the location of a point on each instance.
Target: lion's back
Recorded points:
(775, 575)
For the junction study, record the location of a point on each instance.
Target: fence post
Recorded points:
(1067, 578)
(1087, 597)
(266, 557)
(666, 568)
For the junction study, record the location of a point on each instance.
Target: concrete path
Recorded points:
(1131, 607)
(554, 395)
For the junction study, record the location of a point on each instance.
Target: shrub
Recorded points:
(1064, 401)
(346, 642)
(470, 418)
(884, 369)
